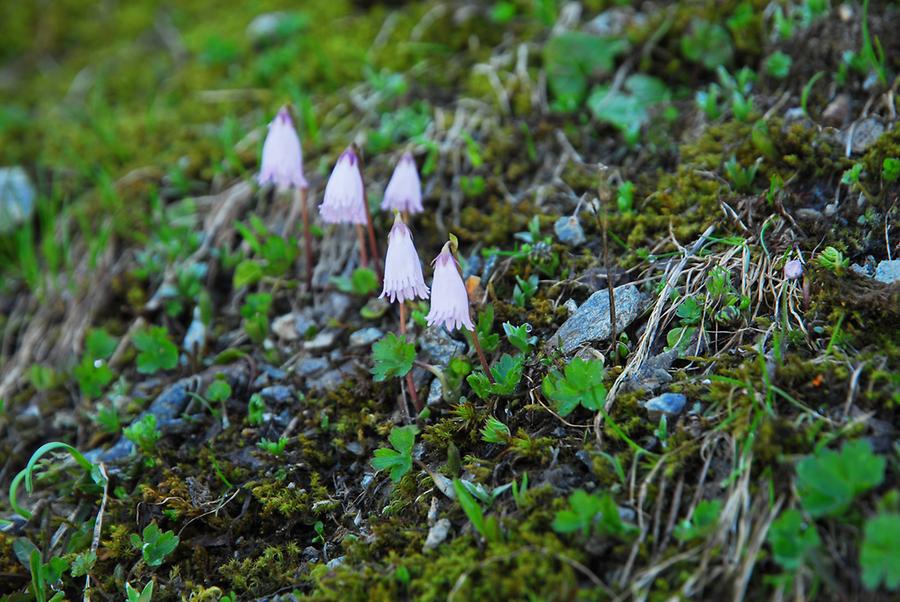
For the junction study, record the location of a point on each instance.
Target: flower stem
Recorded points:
(484, 364)
(363, 255)
(307, 238)
(409, 378)
(372, 241)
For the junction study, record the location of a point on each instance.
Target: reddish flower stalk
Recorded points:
(282, 166)
(403, 281)
(450, 301)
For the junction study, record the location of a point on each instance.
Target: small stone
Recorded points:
(311, 366)
(277, 25)
(435, 393)
(277, 394)
(335, 562)
(837, 112)
(888, 271)
(473, 265)
(437, 534)
(438, 347)
(863, 134)
(365, 336)
(569, 231)
(310, 554)
(591, 323)
(329, 380)
(670, 404)
(285, 327)
(571, 306)
(366, 480)
(333, 306)
(323, 340)
(17, 196)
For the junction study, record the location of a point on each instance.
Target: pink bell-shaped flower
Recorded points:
(282, 156)
(404, 191)
(449, 298)
(403, 280)
(793, 269)
(344, 201)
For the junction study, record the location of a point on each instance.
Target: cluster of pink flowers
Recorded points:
(344, 202)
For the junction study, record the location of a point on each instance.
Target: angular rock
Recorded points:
(285, 327)
(365, 336)
(569, 231)
(591, 323)
(16, 198)
(435, 393)
(311, 366)
(278, 394)
(322, 341)
(888, 271)
(439, 348)
(670, 404)
(437, 534)
(864, 134)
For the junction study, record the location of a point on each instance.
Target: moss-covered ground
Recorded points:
(699, 145)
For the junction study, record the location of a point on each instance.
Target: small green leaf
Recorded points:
(880, 554)
(829, 481)
(99, 344)
(792, 539)
(157, 351)
(399, 459)
(581, 383)
(701, 523)
(392, 356)
(246, 273)
(218, 390)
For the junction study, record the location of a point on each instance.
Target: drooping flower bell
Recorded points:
(282, 156)
(449, 299)
(403, 280)
(344, 201)
(404, 191)
(793, 269)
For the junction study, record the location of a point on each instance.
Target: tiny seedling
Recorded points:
(144, 434)
(156, 350)
(392, 356)
(154, 544)
(495, 431)
(589, 513)
(484, 328)
(27, 473)
(145, 595)
(519, 491)
(487, 527)
(741, 177)
(255, 409)
(218, 390)
(581, 383)
(399, 459)
(890, 170)
(625, 198)
(507, 373)
(255, 313)
(362, 282)
(701, 523)
(524, 290)
(778, 65)
(792, 539)
(833, 260)
(84, 563)
(276, 448)
(518, 336)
